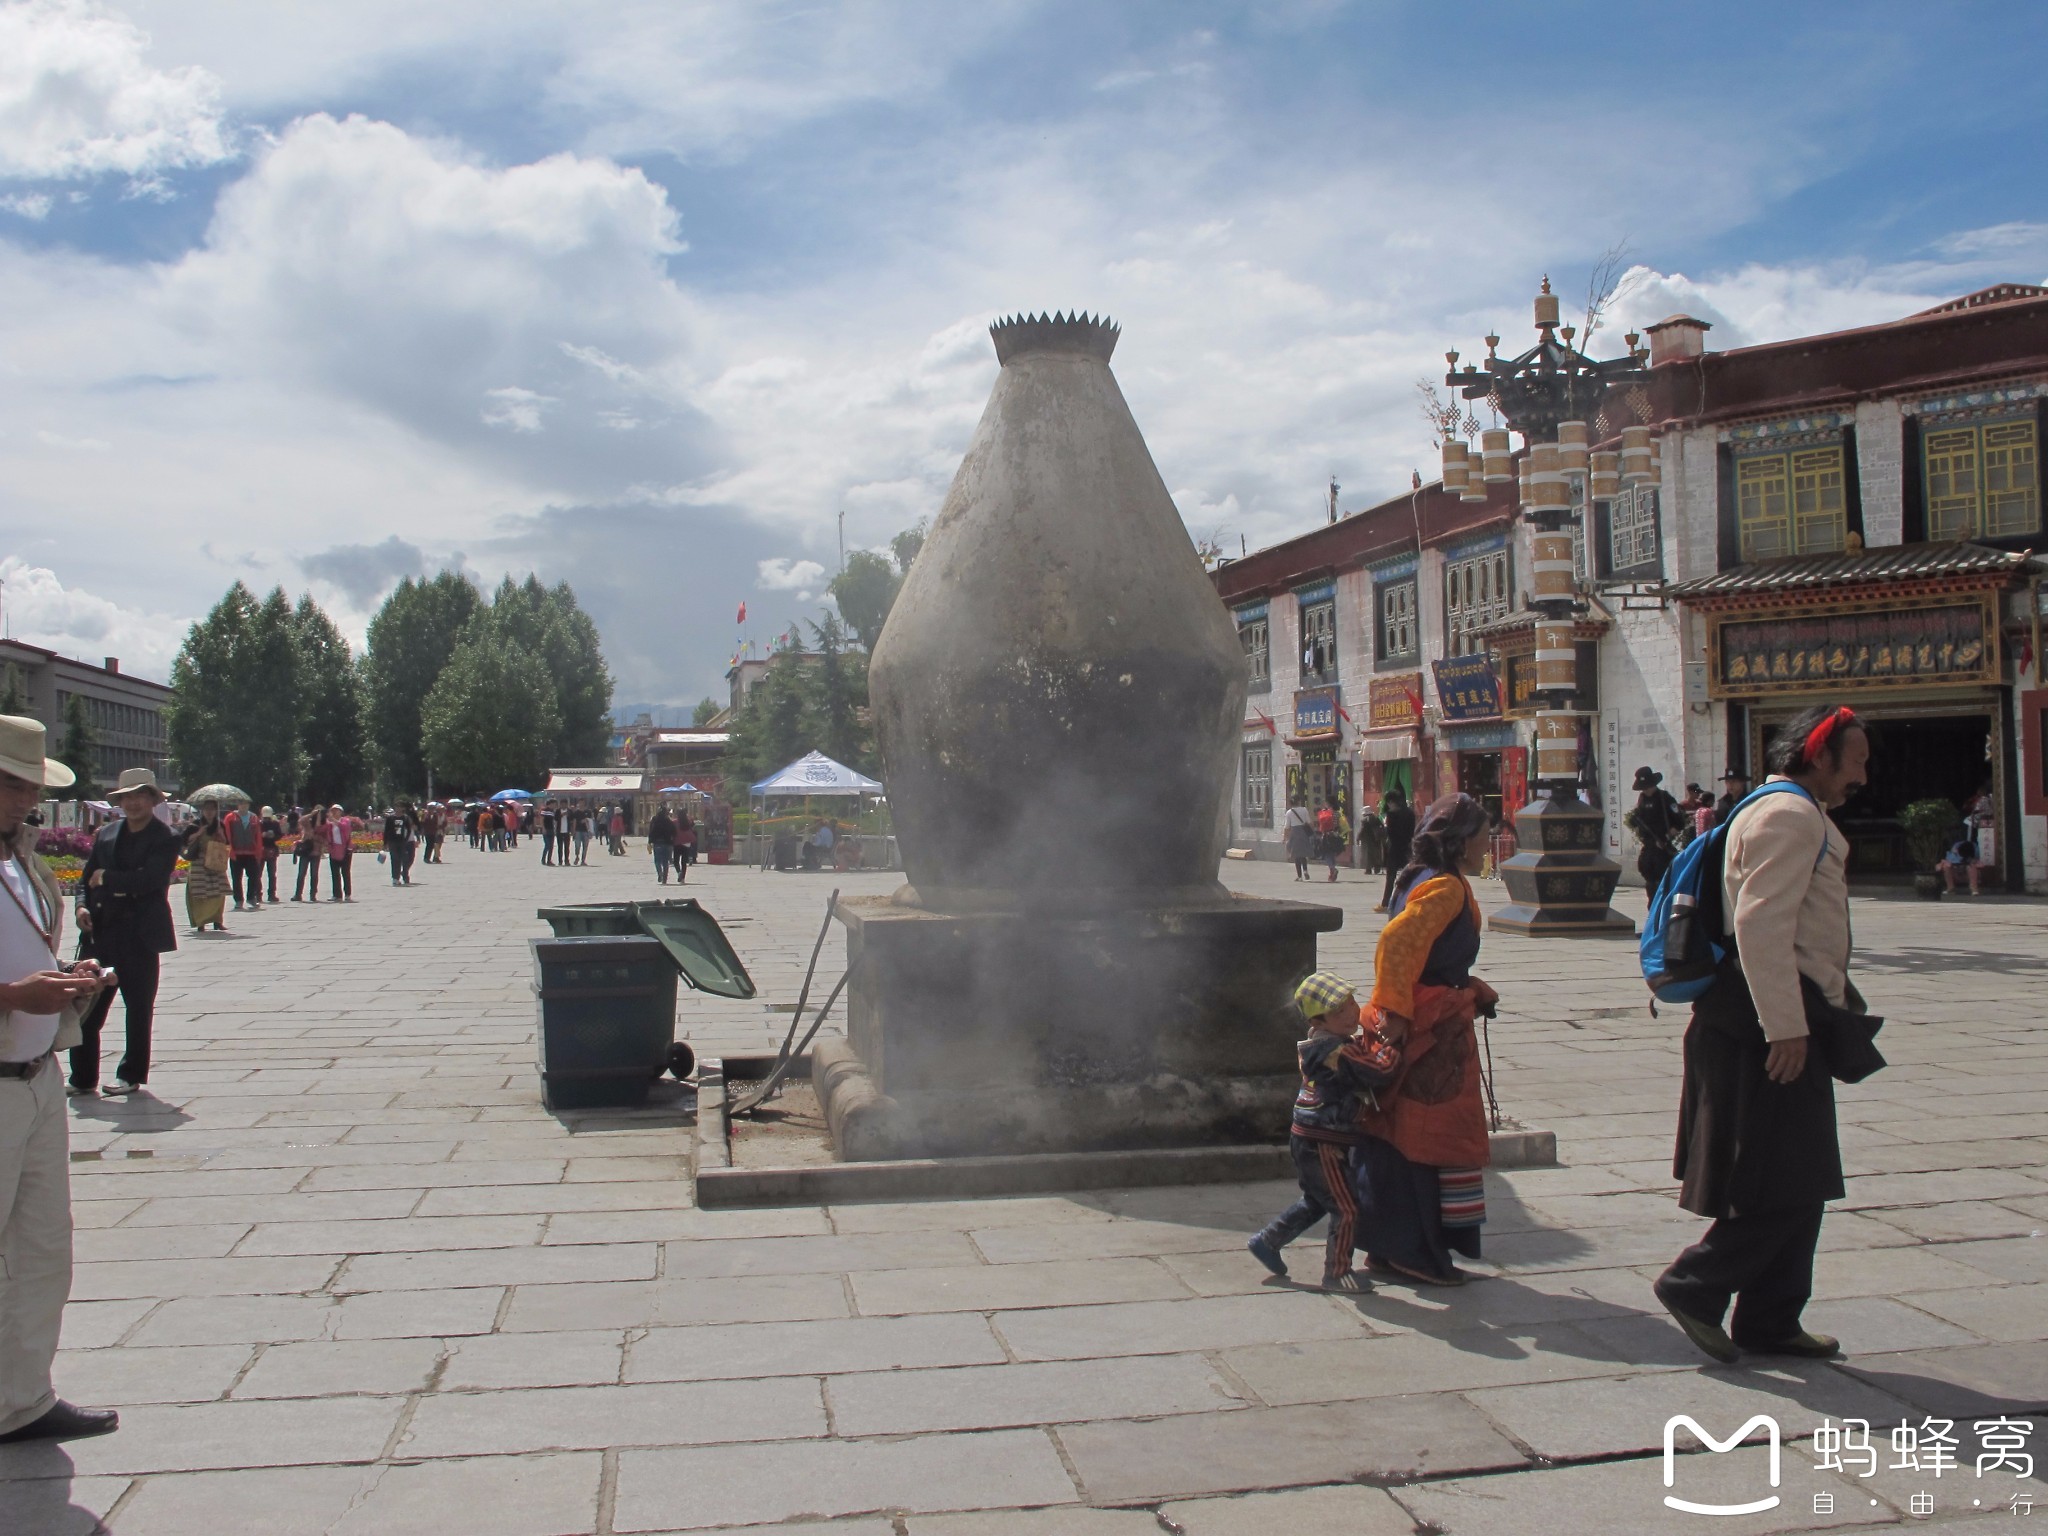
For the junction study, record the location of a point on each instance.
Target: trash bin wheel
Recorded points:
(682, 1061)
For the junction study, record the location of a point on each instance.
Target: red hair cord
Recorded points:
(1818, 736)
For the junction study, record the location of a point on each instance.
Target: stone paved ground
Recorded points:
(343, 1274)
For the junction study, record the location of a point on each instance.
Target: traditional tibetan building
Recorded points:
(1849, 517)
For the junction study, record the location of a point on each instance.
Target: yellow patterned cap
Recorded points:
(1320, 992)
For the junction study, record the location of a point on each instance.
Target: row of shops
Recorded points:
(1783, 553)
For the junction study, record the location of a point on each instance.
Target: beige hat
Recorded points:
(21, 753)
(133, 779)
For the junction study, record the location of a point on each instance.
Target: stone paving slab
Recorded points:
(1123, 1461)
(361, 1282)
(691, 1489)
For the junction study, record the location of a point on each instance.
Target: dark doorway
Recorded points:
(1479, 777)
(1914, 757)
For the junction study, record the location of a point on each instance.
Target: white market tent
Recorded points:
(816, 774)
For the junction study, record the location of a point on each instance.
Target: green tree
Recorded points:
(410, 641)
(490, 720)
(550, 624)
(330, 689)
(908, 545)
(13, 691)
(773, 726)
(81, 746)
(234, 707)
(838, 698)
(705, 712)
(865, 591)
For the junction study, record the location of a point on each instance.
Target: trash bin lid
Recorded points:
(697, 945)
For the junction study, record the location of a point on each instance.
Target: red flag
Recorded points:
(743, 615)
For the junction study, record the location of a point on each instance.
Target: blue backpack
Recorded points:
(1681, 948)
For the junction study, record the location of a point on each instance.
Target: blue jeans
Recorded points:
(663, 852)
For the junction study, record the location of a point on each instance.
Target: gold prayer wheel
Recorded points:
(1556, 659)
(1546, 306)
(1455, 467)
(1635, 456)
(1606, 476)
(1548, 490)
(1551, 566)
(1496, 455)
(1475, 481)
(1557, 745)
(1574, 444)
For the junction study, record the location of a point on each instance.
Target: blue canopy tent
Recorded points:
(814, 774)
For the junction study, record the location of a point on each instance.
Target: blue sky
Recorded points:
(641, 295)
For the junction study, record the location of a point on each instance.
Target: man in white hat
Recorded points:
(124, 911)
(39, 999)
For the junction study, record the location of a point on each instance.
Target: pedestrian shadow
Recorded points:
(35, 1492)
(1922, 961)
(135, 1114)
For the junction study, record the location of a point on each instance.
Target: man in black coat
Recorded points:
(1757, 1148)
(1734, 787)
(1400, 835)
(124, 920)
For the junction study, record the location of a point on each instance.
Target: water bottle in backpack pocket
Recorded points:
(1681, 949)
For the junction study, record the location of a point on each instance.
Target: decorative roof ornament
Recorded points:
(1092, 335)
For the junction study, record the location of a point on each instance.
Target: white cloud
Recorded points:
(40, 609)
(788, 576)
(385, 336)
(73, 444)
(78, 97)
(516, 408)
(461, 299)
(34, 206)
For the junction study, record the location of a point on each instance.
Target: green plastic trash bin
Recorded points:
(607, 989)
(607, 1019)
(590, 919)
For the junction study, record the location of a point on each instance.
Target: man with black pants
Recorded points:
(1757, 1145)
(124, 919)
(245, 857)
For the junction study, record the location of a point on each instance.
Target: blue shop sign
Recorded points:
(1467, 688)
(1315, 712)
(1494, 736)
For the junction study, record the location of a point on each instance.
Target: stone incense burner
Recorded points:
(1059, 698)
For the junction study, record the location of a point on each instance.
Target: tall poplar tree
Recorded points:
(491, 721)
(234, 707)
(548, 623)
(330, 710)
(410, 641)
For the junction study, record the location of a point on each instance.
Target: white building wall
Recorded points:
(1880, 471)
(1429, 619)
(1690, 503)
(1643, 713)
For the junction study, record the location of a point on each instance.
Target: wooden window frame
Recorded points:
(1386, 657)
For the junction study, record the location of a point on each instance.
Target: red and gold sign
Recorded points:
(1853, 646)
(1394, 701)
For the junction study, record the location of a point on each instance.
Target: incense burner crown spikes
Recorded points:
(1091, 335)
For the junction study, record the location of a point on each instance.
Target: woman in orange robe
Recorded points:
(1418, 1170)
